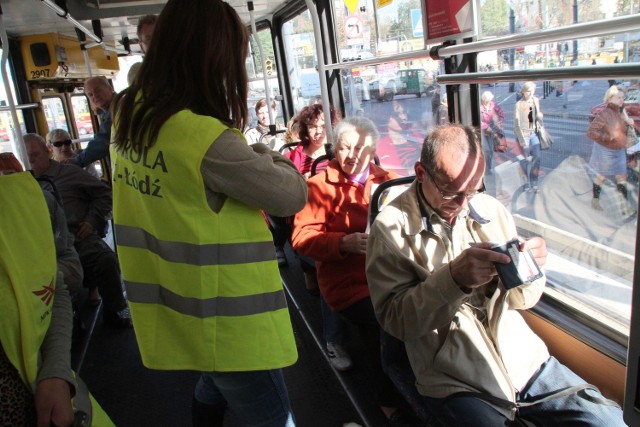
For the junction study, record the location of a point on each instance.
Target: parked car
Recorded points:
(85, 127)
(384, 87)
(411, 81)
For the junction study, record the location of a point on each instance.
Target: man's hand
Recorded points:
(355, 243)
(84, 230)
(538, 248)
(53, 403)
(474, 267)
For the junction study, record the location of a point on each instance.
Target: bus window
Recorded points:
(300, 50)
(6, 122)
(54, 113)
(575, 194)
(82, 115)
(7, 138)
(368, 32)
(403, 101)
(256, 70)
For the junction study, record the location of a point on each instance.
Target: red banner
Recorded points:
(448, 17)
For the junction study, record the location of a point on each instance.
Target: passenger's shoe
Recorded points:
(338, 357)
(118, 319)
(281, 257)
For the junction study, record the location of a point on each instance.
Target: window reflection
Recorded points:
(591, 250)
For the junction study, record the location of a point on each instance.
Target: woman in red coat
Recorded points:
(331, 230)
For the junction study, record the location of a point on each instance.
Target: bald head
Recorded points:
(37, 152)
(99, 92)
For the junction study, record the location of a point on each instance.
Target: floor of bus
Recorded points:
(135, 396)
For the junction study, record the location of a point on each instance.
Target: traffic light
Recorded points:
(268, 64)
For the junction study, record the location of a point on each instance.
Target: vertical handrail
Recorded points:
(267, 89)
(326, 107)
(85, 55)
(17, 141)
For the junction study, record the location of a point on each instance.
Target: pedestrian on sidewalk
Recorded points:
(527, 112)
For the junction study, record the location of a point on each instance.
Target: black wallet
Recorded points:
(523, 267)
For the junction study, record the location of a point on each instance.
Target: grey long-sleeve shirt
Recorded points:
(273, 184)
(84, 197)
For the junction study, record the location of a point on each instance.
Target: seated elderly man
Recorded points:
(434, 285)
(86, 202)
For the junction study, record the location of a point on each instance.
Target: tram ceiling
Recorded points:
(118, 18)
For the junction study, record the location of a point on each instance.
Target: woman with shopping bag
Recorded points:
(613, 131)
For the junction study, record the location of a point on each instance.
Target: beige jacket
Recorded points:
(522, 127)
(417, 301)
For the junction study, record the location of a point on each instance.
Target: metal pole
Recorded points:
(317, 35)
(575, 42)
(512, 51)
(17, 141)
(267, 92)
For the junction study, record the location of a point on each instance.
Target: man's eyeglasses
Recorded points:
(454, 196)
(59, 144)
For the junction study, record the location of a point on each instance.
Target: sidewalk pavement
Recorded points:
(576, 101)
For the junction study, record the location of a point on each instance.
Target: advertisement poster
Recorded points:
(449, 20)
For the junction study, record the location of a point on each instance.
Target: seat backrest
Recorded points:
(386, 192)
(289, 146)
(327, 157)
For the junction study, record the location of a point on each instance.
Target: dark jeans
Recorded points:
(333, 325)
(257, 398)
(362, 316)
(584, 408)
(101, 269)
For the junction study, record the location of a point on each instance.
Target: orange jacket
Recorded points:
(336, 207)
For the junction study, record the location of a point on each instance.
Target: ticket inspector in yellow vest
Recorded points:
(204, 287)
(28, 285)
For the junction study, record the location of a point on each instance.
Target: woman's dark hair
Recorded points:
(196, 62)
(310, 114)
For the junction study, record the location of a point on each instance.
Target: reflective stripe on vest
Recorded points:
(27, 271)
(219, 306)
(186, 253)
(204, 287)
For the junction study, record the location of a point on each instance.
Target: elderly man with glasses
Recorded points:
(433, 281)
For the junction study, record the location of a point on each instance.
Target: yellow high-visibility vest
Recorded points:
(28, 273)
(204, 288)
